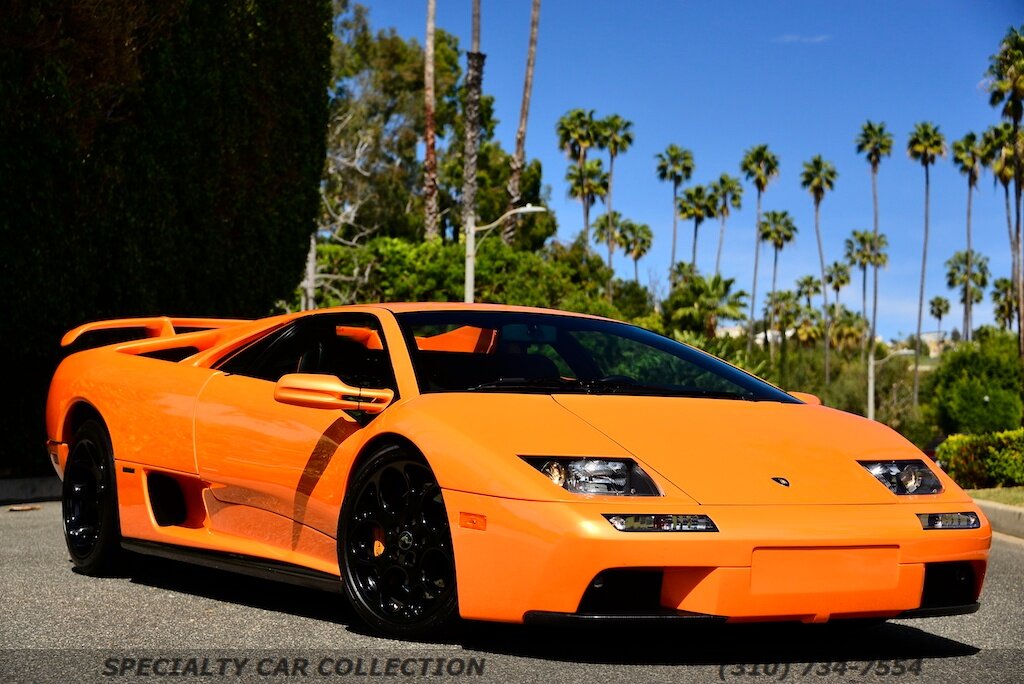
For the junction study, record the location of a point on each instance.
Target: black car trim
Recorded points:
(263, 568)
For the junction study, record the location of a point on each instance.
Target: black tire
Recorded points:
(92, 529)
(395, 547)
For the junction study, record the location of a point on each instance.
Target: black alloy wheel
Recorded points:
(395, 547)
(89, 502)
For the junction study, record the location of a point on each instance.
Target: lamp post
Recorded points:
(871, 376)
(472, 229)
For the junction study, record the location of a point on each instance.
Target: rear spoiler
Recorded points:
(157, 326)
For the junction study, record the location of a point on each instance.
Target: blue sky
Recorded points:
(719, 77)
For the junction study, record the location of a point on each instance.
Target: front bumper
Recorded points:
(809, 563)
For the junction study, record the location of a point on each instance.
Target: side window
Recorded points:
(349, 346)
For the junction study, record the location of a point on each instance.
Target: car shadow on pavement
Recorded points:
(668, 644)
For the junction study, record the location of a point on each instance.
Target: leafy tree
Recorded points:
(837, 276)
(875, 143)
(938, 307)
(699, 303)
(968, 272)
(819, 177)
(924, 145)
(577, 132)
(675, 164)
(806, 287)
(727, 193)
(636, 242)
(607, 231)
(778, 229)
(1004, 303)
(697, 204)
(760, 166)
(968, 153)
(587, 183)
(519, 158)
(617, 137)
(1006, 88)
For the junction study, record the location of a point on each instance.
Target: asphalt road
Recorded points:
(56, 625)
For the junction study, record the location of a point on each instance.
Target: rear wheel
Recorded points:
(395, 547)
(89, 502)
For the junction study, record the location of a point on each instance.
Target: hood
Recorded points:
(727, 452)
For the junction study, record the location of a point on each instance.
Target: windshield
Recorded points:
(493, 351)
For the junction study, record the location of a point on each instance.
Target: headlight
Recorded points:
(608, 477)
(660, 522)
(949, 521)
(904, 477)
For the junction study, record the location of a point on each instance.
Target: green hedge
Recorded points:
(992, 460)
(156, 157)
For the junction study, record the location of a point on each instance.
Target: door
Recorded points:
(262, 454)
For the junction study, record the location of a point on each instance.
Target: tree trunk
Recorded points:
(693, 260)
(508, 232)
(430, 207)
(753, 288)
(611, 224)
(1014, 248)
(874, 285)
(1018, 165)
(968, 299)
(721, 239)
(675, 232)
(586, 224)
(474, 86)
(864, 307)
(771, 308)
(309, 282)
(920, 297)
(636, 271)
(824, 292)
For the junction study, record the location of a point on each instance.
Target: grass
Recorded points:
(1012, 496)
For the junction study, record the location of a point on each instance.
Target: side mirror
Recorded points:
(329, 392)
(812, 399)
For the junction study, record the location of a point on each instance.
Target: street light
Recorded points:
(472, 229)
(871, 376)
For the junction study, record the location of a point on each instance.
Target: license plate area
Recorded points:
(803, 571)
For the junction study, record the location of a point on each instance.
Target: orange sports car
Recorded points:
(497, 463)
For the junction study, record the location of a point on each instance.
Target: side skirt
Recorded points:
(234, 562)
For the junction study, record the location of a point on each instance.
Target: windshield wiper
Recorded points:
(529, 383)
(628, 387)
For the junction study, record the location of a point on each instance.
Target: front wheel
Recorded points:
(395, 547)
(89, 502)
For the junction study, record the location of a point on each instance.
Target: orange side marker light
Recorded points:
(473, 521)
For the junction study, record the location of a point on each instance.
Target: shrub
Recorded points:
(989, 460)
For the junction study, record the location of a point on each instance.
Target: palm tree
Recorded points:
(837, 276)
(1004, 303)
(939, 307)
(968, 153)
(848, 328)
(864, 249)
(636, 242)
(675, 164)
(1006, 88)
(759, 165)
(968, 272)
(875, 143)
(587, 183)
(578, 132)
(432, 215)
(474, 87)
(519, 158)
(924, 145)
(728, 194)
(697, 204)
(807, 286)
(819, 177)
(606, 232)
(1000, 157)
(703, 302)
(617, 136)
(777, 228)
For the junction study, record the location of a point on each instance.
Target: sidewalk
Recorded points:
(1004, 518)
